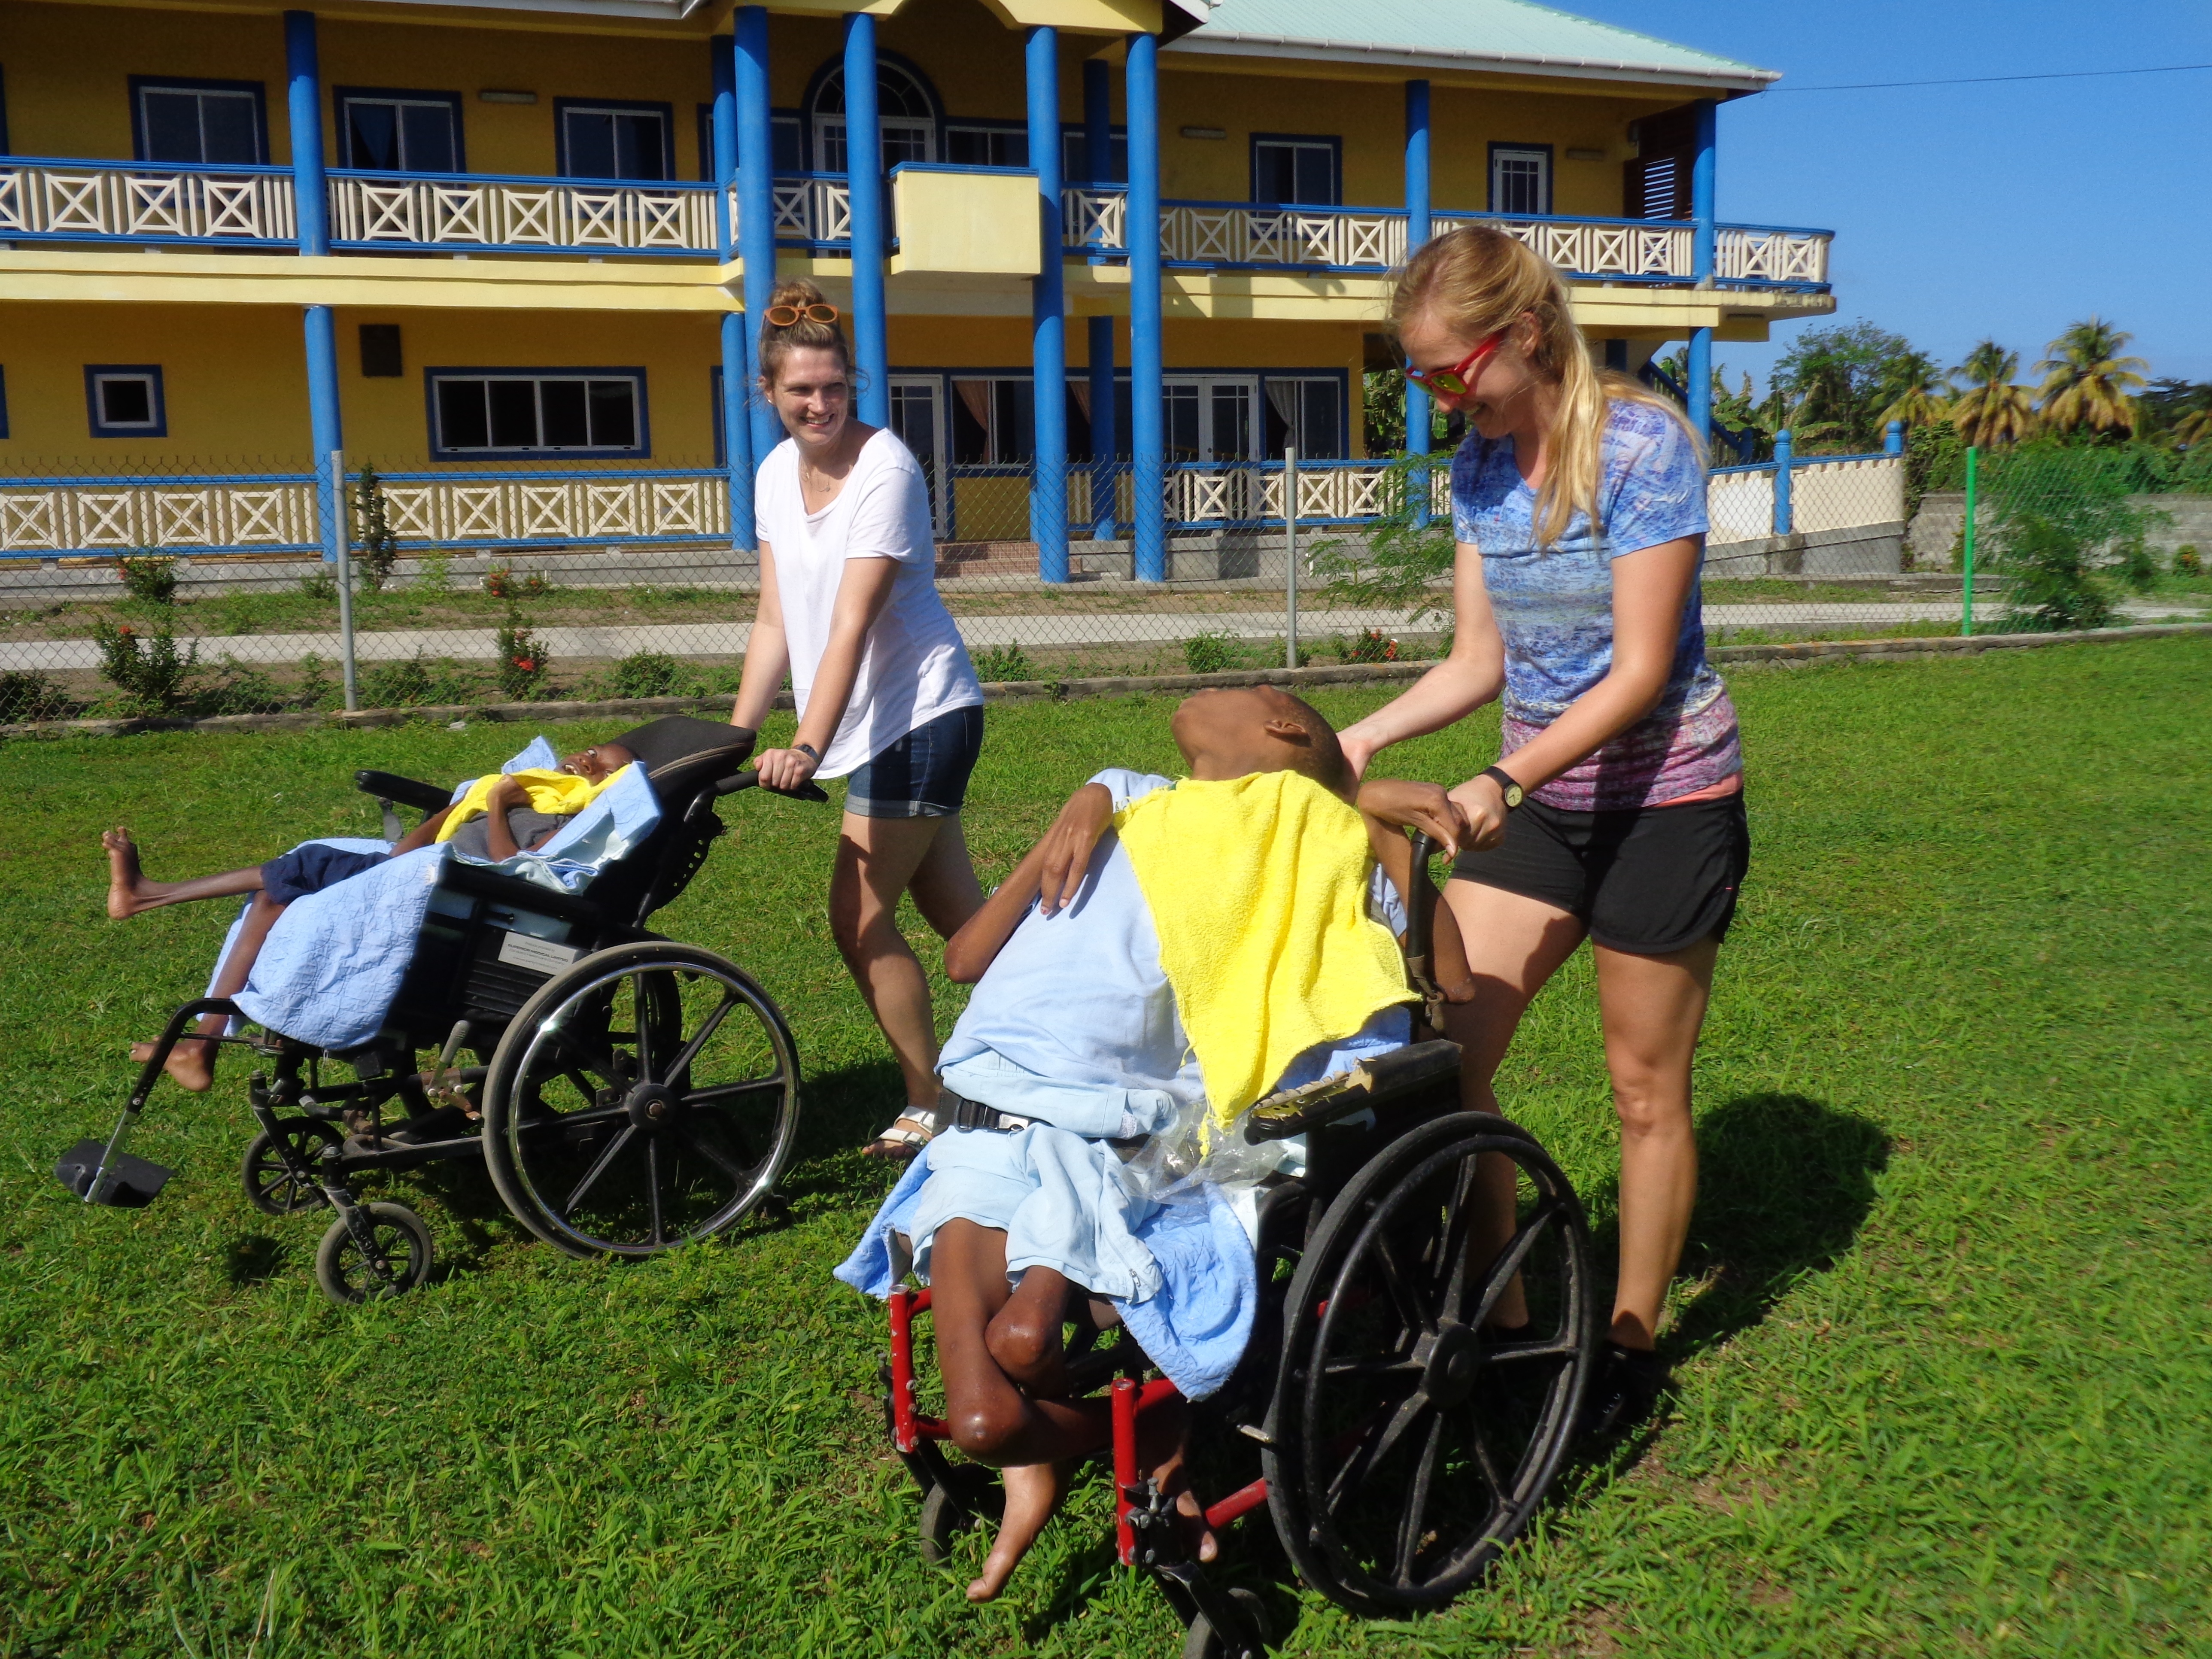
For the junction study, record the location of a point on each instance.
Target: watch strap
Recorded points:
(1507, 784)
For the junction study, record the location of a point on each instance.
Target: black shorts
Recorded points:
(1649, 880)
(311, 868)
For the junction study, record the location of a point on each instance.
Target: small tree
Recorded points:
(1403, 557)
(150, 578)
(149, 671)
(376, 544)
(523, 666)
(2065, 536)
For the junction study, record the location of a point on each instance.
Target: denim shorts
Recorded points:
(924, 774)
(311, 868)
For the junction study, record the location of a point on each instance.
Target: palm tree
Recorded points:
(2087, 383)
(2194, 428)
(1988, 409)
(1916, 388)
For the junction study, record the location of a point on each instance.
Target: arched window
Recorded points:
(904, 104)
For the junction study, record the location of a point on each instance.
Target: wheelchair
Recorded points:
(629, 1094)
(1399, 1440)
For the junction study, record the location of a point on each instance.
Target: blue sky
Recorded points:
(2010, 210)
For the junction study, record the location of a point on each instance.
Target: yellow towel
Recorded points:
(1258, 890)
(558, 794)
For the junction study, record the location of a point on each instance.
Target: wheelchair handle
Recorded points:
(1420, 915)
(731, 785)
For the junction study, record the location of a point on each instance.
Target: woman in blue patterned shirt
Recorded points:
(1615, 812)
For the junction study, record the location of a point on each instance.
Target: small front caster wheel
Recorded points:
(399, 1261)
(270, 1187)
(942, 1520)
(1202, 1641)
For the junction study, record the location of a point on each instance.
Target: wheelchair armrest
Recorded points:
(408, 792)
(1371, 1083)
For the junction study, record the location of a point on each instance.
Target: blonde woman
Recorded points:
(1615, 812)
(887, 697)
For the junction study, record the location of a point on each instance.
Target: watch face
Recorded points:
(1512, 794)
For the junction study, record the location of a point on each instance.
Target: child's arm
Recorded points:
(1053, 868)
(422, 834)
(506, 795)
(1387, 805)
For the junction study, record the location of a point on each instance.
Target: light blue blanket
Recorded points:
(330, 967)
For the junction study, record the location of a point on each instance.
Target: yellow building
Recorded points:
(509, 251)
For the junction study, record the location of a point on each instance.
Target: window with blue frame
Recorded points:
(388, 131)
(614, 139)
(1521, 178)
(579, 412)
(210, 121)
(1300, 169)
(125, 400)
(986, 144)
(1307, 410)
(1075, 156)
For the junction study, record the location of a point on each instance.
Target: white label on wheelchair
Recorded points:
(540, 956)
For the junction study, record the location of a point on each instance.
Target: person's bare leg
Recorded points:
(945, 887)
(1024, 1337)
(1653, 1008)
(1514, 944)
(192, 1061)
(129, 892)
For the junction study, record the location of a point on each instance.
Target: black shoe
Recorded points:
(1628, 1386)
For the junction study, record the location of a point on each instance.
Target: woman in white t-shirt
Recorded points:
(887, 697)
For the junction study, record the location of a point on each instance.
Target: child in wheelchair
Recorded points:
(1166, 955)
(494, 817)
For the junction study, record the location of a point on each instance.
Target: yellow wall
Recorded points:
(234, 377)
(68, 71)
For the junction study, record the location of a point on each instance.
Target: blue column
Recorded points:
(1700, 388)
(1784, 514)
(1147, 441)
(1047, 313)
(326, 431)
(864, 179)
(1893, 438)
(737, 432)
(1420, 423)
(756, 202)
(1105, 438)
(304, 103)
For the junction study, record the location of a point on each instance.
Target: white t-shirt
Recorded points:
(913, 667)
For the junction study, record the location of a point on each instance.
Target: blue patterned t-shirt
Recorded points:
(1554, 609)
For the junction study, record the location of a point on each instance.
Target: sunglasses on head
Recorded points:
(1453, 381)
(788, 316)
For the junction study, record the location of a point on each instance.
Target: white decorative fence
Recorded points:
(1601, 248)
(459, 210)
(120, 201)
(568, 509)
(180, 515)
(1746, 253)
(811, 208)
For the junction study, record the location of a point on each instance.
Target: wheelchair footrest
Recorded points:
(132, 1182)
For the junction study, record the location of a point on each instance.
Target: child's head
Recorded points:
(598, 762)
(1231, 732)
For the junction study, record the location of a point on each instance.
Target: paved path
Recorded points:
(571, 645)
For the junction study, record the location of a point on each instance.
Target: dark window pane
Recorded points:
(380, 351)
(591, 145)
(971, 438)
(173, 125)
(1014, 422)
(461, 415)
(638, 148)
(965, 147)
(1079, 429)
(1181, 411)
(228, 128)
(372, 136)
(914, 418)
(904, 144)
(126, 402)
(898, 93)
(614, 414)
(1324, 435)
(1317, 176)
(1232, 423)
(429, 131)
(513, 413)
(783, 138)
(565, 424)
(1273, 176)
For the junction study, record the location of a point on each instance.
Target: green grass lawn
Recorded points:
(1944, 1342)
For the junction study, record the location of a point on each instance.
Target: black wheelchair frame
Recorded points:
(679, 1075)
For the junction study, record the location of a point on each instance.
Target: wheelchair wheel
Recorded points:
(401, 1238)
(943, 1520)
(268, 1185)
(1412, 1440)
(1202, 1641)
(646, 1096)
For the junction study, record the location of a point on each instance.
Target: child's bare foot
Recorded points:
(190, 1063)
(124, 875)
(1033, 1493)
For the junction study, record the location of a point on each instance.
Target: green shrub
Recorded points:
(996, 663)
(148, 668)
(27, 696)
(376, 544)
(2064, 535)
(241, 688)
(647, 674)
(2186, 562)
(1207, 654)
(317, 688)
(504, 584)
(1372, 645)
(433, 572)
(522, 666)
(322, 585)
(403, 684)
(150, 577)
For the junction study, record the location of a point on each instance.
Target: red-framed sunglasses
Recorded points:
(1453, 381)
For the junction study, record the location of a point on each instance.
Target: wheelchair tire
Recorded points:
(600, 1132)
(268, 1185)
(943, 1519)
(1410, 1442)
(1202, 1641)
(345, 1274)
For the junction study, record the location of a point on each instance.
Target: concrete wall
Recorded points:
(1936, 527)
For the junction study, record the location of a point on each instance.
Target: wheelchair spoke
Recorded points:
(1361, 1464)
(1557, 1350)
(1373, 1368)
(1402, 1295)
(722, 1092)
(714, 1155)
(599, 1167)
(1411, 1523)
(653, 1185)
(1486, 1460)
(1510, 1259)
(583, 1120)
(641, 997)
(591, 1060)
(708, 1027)
(1451, 1266)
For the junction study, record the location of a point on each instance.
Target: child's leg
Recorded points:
(128, 891)
(191, 1062)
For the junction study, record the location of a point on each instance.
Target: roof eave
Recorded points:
(1215, 43)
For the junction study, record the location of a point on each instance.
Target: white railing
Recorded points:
(186, 515)
(96, 200)
(1211, 234)
(592, 507)
(811, 208)
(1327, 490)
(1601, 248)
(1745, 253)
(1093, 218)
(468, 210)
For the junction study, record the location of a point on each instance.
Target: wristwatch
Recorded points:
(1503, 780)
(808, 750)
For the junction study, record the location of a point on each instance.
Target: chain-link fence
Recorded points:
(203, 587)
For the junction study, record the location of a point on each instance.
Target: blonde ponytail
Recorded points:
(1477, 280)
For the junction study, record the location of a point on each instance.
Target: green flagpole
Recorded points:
(1966, 610)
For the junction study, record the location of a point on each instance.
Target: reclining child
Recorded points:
(1168, 952)
(496, 817)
